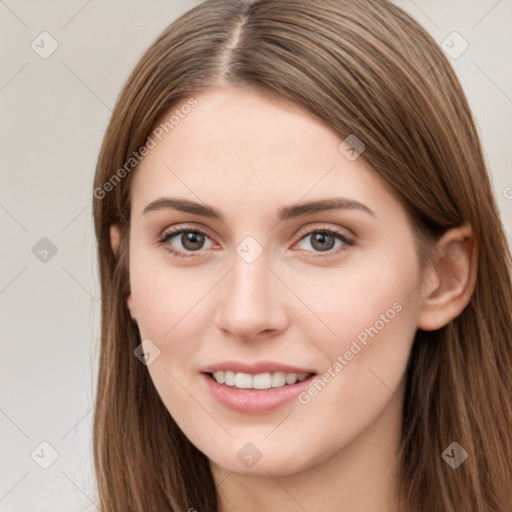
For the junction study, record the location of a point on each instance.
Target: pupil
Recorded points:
(320, 238)
(192, 241)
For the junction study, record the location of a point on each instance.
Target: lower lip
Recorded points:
(251, 401)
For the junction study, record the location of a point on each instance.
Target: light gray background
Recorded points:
(53, 115)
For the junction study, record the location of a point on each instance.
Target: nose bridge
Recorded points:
(249, 278)
(250, 301)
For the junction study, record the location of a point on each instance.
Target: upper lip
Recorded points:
(254, 368)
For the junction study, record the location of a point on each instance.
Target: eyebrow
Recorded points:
(284, 213)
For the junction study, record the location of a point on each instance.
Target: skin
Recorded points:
(247, 155)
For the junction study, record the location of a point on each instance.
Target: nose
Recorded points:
(252, 301)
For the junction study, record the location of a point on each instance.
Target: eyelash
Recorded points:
(348, 242)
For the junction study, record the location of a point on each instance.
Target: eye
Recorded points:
(187, 240)
(324, 240)
(190, 240)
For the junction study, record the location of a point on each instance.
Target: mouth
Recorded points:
(256, 392)
(259, 381)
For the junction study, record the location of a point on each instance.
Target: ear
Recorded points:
(131, 307)
(115, 237)
(448, 288)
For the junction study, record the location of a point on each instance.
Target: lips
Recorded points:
(261, 375)
(255, 388)
(255, 368)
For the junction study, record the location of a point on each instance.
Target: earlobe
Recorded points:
(131, 307)
(449, 287)
(114, 238)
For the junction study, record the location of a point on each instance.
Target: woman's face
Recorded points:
(274, 286)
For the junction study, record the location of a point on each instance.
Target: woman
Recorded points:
(306, 294)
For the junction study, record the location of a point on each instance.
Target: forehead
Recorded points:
(236, 142)
(233, 123)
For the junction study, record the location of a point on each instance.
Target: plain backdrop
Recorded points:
(54, 112)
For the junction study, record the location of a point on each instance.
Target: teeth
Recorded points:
(278, 379)
(260, 381)
(243, 380)
(291, 378)
(229, 378)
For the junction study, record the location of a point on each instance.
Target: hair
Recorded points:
(364, 68)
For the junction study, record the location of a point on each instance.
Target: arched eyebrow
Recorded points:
(284, 213)
(322, 205)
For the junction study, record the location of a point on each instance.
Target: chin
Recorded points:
(252, 461)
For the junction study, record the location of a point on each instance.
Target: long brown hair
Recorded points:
(363, 68)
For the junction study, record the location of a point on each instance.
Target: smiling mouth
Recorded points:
(260, 381)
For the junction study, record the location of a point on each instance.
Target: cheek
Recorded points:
(371, 312)
(168, 302)
(367, 298)
(362, 381)
(165, 297)
(170, 306)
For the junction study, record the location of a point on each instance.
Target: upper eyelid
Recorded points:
(169, 233)
(302, 232)
(337, 231)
